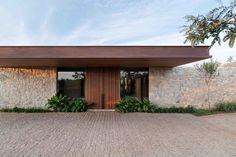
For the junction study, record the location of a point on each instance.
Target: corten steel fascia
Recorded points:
(103, 51)
(101, 55)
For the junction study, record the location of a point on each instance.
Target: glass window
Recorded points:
(134, 83)
(71, 83)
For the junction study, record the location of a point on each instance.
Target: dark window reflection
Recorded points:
(134, 83)
(71, 83)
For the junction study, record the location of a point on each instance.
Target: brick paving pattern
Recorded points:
(111, 134)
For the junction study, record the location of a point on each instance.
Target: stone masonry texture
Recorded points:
(26, 87)
(185, 86)
(180, 86)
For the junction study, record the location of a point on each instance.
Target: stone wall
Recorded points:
(26, 87)
(183, 86)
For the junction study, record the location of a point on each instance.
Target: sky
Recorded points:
(102, 22)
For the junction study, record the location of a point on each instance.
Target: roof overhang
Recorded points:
(94, 56)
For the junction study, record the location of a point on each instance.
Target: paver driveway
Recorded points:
(114, 134)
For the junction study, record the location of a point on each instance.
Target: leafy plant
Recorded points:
(146, 106)
(79, 105)
(64, 104)
(58, 103)
(128, 104)
(132, 104)
(226, 107)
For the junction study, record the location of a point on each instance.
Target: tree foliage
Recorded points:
(78, 75)
(219, 22)
(208, 71)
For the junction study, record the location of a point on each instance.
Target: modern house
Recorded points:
(29, 75)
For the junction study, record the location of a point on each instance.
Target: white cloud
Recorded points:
(43, 29)
(120, 22)
(165, 40)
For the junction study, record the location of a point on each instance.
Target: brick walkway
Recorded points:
(117, 135)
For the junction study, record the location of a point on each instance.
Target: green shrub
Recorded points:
(132, 104)
(174, 109)
(25, 110)
(79, 105)
(146, 106)
(128, 104)
(58, 103)
(64, 104)
(226, 107)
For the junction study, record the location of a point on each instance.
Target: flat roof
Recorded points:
(93, 56)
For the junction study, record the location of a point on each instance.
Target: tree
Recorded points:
(209, 71)
(78, 75)
(219, 22)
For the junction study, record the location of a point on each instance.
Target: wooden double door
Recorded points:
(102, 87)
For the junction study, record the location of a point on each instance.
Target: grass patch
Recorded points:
(189, 109)
(203, 112)
(226, 107)
(174, 110)
(25, 110)
(194, 111)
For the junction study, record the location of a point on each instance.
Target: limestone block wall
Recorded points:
(183, 86)
(26, 87)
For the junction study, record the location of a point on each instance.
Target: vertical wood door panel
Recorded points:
(111, 78)
(102, 81)
(93, 87)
